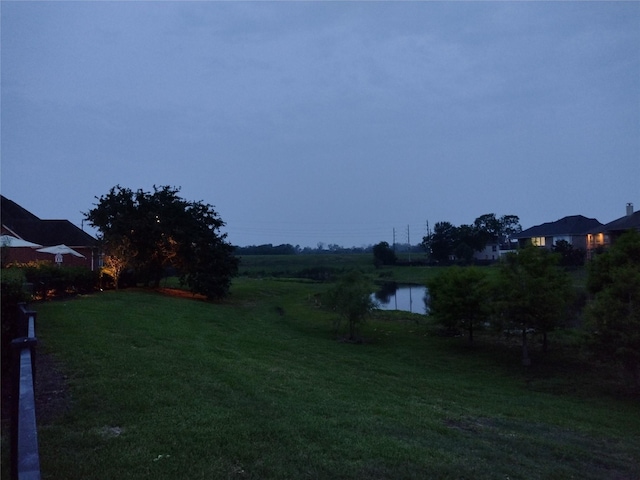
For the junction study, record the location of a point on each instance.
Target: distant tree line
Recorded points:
(288, 249)
(449, 243)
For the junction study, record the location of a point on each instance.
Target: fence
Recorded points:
(25, 459)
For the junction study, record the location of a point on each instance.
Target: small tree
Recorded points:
(532, 293)
(613, 316)
(458, 298)
(383, 254)
(119, 254)
(350, 298)
(569, 256)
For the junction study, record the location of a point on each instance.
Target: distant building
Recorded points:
(574, 229)
(22, 224)
(607, 234)
(490, 252)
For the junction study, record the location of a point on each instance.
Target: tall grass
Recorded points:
(256, 387)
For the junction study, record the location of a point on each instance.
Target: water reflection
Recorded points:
(409, 298)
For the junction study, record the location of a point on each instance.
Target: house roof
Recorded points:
(621, 224)
(571, 225)
(27, 226)
(11, 210)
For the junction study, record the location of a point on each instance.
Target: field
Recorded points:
(257, 387)
(261, 266)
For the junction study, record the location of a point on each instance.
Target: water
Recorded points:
(409, 298)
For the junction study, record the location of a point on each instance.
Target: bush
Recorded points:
(50, 280)
(13, 293)
(350, 298)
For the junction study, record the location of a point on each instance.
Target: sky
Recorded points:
(333, 122)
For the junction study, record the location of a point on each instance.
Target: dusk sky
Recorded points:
(333, 122)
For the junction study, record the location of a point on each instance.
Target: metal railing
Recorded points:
(25, 459)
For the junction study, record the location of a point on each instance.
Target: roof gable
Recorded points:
(624, 223)
(571, 225)
(11, 211)
(54, 232)
(45, 232)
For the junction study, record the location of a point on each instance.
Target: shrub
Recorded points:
(613, 316)
(12, 292)
(350, 298)
(50, 280)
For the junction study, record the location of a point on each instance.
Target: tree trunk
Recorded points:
(352, 330)
(526, 361)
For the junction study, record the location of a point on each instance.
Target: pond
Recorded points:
(409, 298)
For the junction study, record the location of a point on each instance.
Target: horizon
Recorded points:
(400, 240)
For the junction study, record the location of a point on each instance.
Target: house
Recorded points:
(24, 225)
(574, 229)
(490, 252)
(607, 234)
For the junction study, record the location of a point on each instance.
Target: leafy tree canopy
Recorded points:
(442, 242)
(458, 298)
(448, 241)
(158, 229)
(494, 229)
(532, 292)
(383, 254)
(350, 298)
(614, 313)
(569, 256)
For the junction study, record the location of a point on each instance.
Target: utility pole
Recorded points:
(409, 242)
(429, 244)
(394, 239)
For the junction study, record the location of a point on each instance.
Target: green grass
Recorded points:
(256, 387)
(292, 265)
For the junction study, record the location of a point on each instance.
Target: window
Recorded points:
(566, 238)
(596, 240)
(538, 241)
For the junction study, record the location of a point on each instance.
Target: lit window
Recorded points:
(538, 241)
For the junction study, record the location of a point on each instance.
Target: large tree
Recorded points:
(496, 230)
(614, 313)
(160, 229)
(461, 242)
(489, 228)
(468, 239)
(509, 225)
(441, 243)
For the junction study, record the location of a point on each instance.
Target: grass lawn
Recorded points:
(256, 387)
